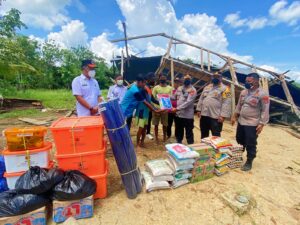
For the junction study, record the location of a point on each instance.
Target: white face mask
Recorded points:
(92, 73)
(119, 82)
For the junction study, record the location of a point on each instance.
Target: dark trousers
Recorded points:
(171, 118)
(128, 121)
(246, 136)
(149, 123)
(188, 126)
(209, 124)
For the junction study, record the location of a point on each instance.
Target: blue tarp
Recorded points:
(122, 146)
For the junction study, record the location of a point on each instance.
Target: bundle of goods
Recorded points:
(158, 174)
(181, 159)
(164, 101)
(222, 153)
(236, 159)
(80, 145)
(71, 191)
(122, 146)
(3, 184)
(204, 165)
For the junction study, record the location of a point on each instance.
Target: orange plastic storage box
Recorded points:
(78, 134)
(89, 163)
(101, 183)
(19, 161)
(19, 139)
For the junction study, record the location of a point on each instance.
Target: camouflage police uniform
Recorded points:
(252, 109)
(214, 102)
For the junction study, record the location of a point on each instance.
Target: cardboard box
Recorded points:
(203, 171)
(78, 209)
(36, 217)
(203, 149)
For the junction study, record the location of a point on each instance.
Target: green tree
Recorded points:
(10, 22)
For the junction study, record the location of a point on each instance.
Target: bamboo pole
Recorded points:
(122, 64)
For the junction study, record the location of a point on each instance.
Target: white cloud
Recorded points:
(43, 14)
(235, 21)
(281, 12)
(148, 16)
(102, 47)
(72, 34)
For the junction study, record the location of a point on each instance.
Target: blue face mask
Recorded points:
(215, 81)
(248, 85)
(187, 82)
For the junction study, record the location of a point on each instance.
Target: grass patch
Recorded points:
(20, 113)
(55, 99)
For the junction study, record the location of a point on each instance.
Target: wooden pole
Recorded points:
(232, 72)
(208, 59)
(122, 64)
(172, 72)
(232, 89)
(201, 58)
(169, 48)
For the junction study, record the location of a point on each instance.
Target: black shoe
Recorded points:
(248, 165)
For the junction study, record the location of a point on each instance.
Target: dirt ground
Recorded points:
(275, 188)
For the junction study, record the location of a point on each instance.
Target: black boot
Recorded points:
(248, 165)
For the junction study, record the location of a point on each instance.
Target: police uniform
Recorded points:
(215, 101)
(88, 88)
(252, 109)
(185, 113)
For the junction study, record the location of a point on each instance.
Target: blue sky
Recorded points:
(266, 33)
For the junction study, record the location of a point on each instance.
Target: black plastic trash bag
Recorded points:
(74, 186)
(13, 203)
(38, 180)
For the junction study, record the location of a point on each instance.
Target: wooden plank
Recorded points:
(167, 55)
(34, 121)
(122, 64)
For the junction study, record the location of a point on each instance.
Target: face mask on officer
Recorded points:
(248, 85)
(92, 73)
(187, 82)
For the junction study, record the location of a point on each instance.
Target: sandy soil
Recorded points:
(275, 189)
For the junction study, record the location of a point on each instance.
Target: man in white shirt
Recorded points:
(86, 90)
(118, 90)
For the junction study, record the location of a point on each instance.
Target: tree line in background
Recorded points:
(25, 63)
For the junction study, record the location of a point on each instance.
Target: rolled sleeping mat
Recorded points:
(122, 146)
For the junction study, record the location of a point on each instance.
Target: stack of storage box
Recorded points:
(80, 145)
(25, 147)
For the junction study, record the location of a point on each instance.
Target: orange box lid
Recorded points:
(69, 122)
(47, 146)
(25, 129)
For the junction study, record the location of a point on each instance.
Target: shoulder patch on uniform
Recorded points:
(265, 99)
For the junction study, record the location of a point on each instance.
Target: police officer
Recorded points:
(86, 90)
(252, 112)
(214, 106)
(185, 96)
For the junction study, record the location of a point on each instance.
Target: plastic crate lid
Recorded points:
(87, 121)
(47, 147)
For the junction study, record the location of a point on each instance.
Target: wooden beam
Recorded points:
(208, 59)
(232, 72)
(122, 64)
(232, 89)
(201, 58)
(167, 55)
(172, 72)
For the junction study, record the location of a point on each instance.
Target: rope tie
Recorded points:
(27, 157)
(118, 128)
(73, 137)
(131, 171)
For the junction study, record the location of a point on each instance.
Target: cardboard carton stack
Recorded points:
(222, 153)
(204, 166)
